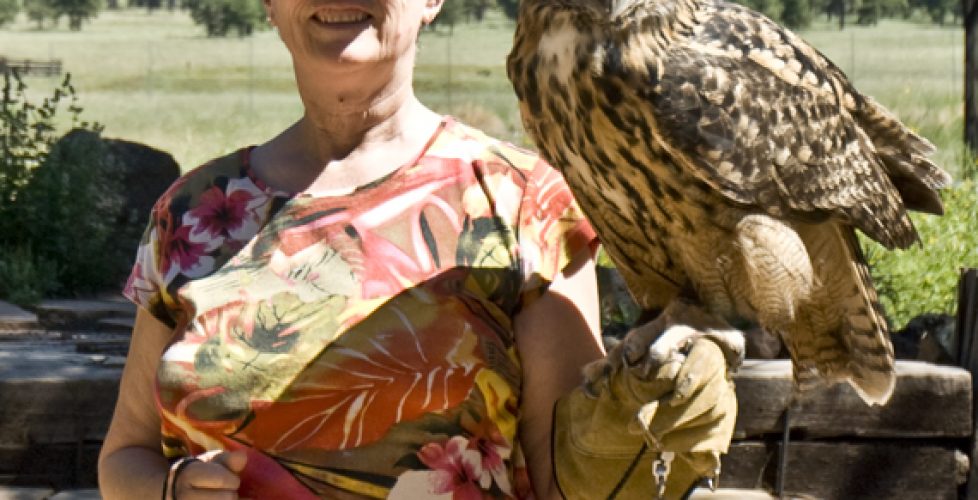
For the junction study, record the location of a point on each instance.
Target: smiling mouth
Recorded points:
(341, 17)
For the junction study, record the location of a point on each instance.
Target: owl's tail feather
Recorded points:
(841, 334)
(872, 360)
(905, 155)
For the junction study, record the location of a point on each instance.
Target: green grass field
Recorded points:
(155, 78)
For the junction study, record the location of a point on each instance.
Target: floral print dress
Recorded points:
(361, 345)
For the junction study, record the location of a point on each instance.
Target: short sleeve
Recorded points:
(552, 229)
(146, 286)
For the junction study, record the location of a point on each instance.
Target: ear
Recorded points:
(431, 9)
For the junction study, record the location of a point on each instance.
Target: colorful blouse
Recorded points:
(360, 345)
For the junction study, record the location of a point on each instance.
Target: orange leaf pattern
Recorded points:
(358, 345)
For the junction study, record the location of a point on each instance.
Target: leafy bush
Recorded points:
(57, 199)
(923, 278)
(24, 277)
(219, 17)
(27, 132)
(71, 206)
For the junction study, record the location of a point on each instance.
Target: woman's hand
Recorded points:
(131, 464)
(214, 476)
(662, 401)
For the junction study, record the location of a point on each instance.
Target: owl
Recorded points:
(721, 157)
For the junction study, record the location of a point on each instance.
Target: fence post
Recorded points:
(966, 340)
(970, 74)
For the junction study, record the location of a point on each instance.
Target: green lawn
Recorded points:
(155, 78)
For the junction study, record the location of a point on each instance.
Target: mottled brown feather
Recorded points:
(715, 151)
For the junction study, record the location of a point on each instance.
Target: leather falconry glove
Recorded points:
(653, 417)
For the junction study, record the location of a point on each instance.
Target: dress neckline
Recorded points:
(446, 123)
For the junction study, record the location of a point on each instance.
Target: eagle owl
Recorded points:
(717, 153)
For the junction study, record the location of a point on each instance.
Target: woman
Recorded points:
(365, 305)
(378, 302)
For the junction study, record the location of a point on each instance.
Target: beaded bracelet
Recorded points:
(170, 481)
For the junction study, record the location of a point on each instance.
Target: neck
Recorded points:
(353, 132)
(345, 110)
(343, 134)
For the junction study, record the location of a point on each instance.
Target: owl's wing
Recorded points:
(764, 119)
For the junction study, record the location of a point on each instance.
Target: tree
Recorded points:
(77, 11)
(937, 9)
(475, 8)
(869, 12)
(8, 11)
(450, 15)
(839, 7)
(40, 11)
(893, 8)
(796, 14)
(510, 7)
(219, 17)
(821, 7)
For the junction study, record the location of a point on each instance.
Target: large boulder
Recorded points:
(146, 173)
(87, 204)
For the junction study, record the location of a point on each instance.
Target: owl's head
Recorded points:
(608, 14)
(542, 10)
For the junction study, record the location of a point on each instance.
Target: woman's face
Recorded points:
(341, 33)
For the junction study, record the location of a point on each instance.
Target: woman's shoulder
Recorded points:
(469, 142)
(230, 171)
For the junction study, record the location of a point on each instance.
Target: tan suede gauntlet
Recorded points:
(668, 414)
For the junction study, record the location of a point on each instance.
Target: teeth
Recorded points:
(334, 17)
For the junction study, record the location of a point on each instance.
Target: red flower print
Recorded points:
(179, 249)
(492, 447)
(457, 469)
(220, 214)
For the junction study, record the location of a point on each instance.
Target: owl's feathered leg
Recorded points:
(841, 334)
(648, 345)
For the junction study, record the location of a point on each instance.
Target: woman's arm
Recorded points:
(556, 336)
(131, 463)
